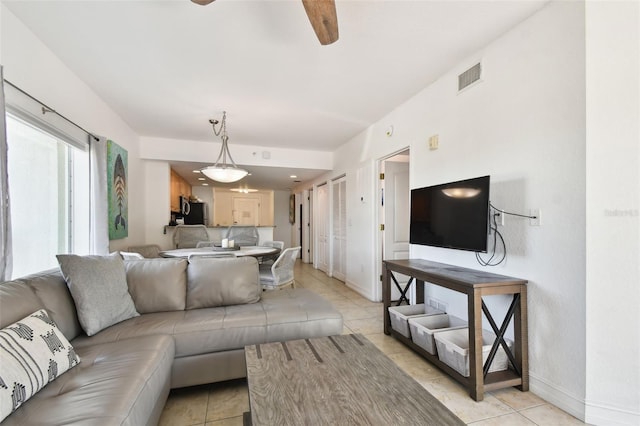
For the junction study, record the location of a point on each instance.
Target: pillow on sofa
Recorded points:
(33, 352)
(98, 285)
(215, 282)
(157, 285)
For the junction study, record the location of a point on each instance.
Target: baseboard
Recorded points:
(361, 291)
(601, 414)
(557, 396)
(591, 412)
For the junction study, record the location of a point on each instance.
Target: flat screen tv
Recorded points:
(451, 215)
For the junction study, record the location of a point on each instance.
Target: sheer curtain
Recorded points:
(99, 232)
(6, 257)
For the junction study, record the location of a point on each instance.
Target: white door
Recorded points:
(305, 222)
(322, 228)
(246, 211)
(396, 217)
(339, 228)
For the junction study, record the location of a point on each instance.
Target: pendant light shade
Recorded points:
(224, 174)
(223, 171)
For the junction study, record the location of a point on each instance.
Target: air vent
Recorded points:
(469, 77)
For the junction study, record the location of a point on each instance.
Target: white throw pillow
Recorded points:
(33, 352)
(98, 286)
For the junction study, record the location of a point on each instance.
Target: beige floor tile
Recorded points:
(227, 399)
(457, 399)
(365, 326)
(231, 421)
(343, 305)
(357, 313)
(549, 415)
(416, 366)
(518, 400)
(186, 407)
(346, 330)
(513, 419)
(387, 344)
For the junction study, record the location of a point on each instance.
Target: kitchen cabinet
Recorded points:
(178, 187)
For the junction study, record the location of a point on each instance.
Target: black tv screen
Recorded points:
(451, 215)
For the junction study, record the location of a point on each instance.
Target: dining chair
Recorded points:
(209, 255)
(146, 250)
(280, 274)
(129, 255)
(268, 260)
(200, 244)
(243, 235)
(188, 236)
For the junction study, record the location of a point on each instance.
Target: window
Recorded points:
(49, 195)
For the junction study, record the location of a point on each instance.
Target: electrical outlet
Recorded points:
(436, 304)
(536, 217)
(499, 218)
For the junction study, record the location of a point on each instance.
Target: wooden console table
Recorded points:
(475, 284)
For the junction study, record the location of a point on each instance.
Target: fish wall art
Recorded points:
(117, 192)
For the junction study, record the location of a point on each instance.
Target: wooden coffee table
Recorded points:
(335, 380)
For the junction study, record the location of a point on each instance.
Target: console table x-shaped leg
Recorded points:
(403, 291)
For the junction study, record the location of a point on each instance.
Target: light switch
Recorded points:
(433, 142)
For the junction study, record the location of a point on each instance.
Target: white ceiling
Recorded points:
(261, 177)
(167, 66)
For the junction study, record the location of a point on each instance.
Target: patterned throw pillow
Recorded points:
(33, 352)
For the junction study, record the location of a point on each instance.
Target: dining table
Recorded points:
(255, 251)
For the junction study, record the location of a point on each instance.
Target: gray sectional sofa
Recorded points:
(192, 323)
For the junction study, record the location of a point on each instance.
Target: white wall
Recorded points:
(157, 193)
(29, 64)
(613, 197)
(524, 125)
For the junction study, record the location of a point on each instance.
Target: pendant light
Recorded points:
(223, 172)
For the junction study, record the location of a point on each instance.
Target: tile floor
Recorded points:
(222, 404)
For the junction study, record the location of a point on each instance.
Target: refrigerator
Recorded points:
(197, 214)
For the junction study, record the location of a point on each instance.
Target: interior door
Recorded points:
(339, 229)
(246, 211)
(397, 203)
(322, 227)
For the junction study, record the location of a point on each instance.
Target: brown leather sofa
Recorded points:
(127, 369)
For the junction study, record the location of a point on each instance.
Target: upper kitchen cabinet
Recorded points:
(237, 208)
(179, 187)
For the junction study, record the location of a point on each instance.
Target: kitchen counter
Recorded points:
(216, 233)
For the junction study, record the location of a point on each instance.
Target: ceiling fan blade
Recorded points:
(202, 2)
(323, 18)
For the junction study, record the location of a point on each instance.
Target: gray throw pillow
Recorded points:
(98, 285)
(215, 282)
(157, 285)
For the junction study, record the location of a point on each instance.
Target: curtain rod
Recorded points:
(46, 109)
